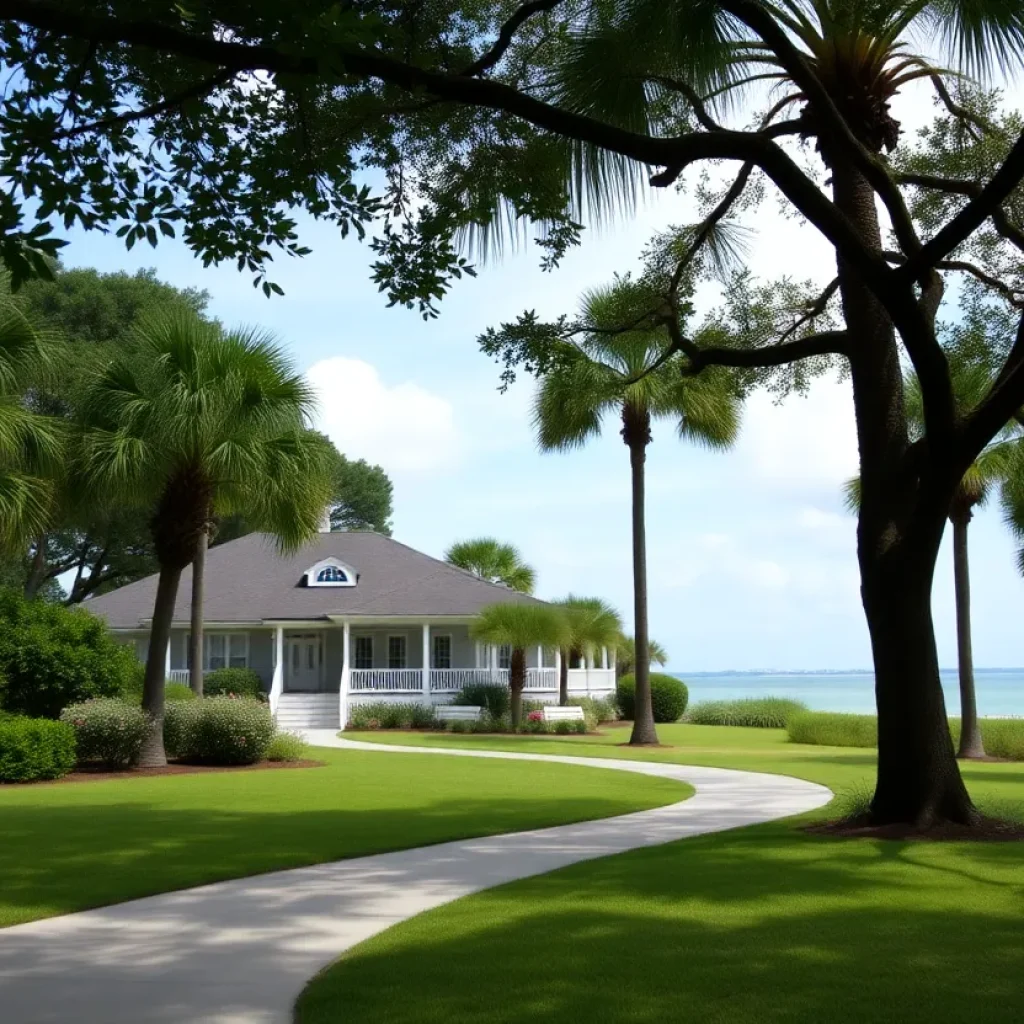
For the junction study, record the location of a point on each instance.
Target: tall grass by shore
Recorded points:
(1002, 737)
(754, 712)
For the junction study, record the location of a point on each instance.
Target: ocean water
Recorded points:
(1000, 691)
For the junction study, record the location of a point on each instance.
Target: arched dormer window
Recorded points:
(330, 572)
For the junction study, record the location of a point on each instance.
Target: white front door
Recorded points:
(302, 661)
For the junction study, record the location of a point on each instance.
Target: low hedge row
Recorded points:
(752, 712)
(218, 730)
(108, 731)
(668, 696)
(1002, 737)
(34, 749)
(383, 714)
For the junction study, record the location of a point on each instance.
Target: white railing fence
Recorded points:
(541, 679)
(386, 680)
(451, 680)
(178, 675)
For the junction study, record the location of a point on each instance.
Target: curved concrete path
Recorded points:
(240, 952)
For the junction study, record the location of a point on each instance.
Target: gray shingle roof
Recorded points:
(248, 581)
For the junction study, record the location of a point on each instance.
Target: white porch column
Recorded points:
(167, 658)
(604, 657)
(277, 684)
(540, 657)
(426, 662)
(346, 674)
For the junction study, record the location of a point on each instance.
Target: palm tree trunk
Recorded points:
(195, 645)
(971, 743)
(563, 677)
(516, 684)
(902, 516)
(153, 755)
(636, 431)
(37, 570)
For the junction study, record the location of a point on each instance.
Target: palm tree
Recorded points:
(520, 626)
(195, 421)
(591, 623)
(625, 655)
(31, 444)
(493, 561)
(993, 467)
(627, 374)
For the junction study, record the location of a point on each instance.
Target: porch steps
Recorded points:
(308, 711)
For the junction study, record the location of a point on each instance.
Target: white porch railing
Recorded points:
(178, 675)
(386, 680)
(451, 680)
(541, 679)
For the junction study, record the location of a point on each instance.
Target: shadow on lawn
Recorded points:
(56, 859)
(744, 928)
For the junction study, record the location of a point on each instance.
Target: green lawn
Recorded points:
(764, 924)
(69, 847)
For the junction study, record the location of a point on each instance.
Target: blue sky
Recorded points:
(751, 556)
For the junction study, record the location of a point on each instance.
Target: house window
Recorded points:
(220, 650)
(396, 652)
(364, 652)
(442, 651)
(505, 656)
(331, 574)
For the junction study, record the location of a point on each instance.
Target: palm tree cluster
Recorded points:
(187, 424)
(493, 561)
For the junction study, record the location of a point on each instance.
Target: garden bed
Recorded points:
(98, 774)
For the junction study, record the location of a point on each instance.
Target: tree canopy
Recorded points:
(494, 561)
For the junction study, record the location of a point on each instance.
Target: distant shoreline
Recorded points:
(812, 672)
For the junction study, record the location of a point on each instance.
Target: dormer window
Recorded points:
(330, 572)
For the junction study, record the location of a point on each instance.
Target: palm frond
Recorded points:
(982, 36)
(493, 560)
(520, 625)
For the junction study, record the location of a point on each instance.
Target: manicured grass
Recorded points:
(764, 924)
(70, 847)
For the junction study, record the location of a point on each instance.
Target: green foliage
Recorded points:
(108, 730)
(591, 623)
(599, 709)
(382, 714)
(176, 691)
(362, 497)
(241, 682)
(286, 746)
(218, 730)
(33, 749)
(494, 698)
(668, 697)
(625, 654)
(51, 656)
(520, 625)
(829, 729)
(753, 712)
(1003, 737)
(491, 560)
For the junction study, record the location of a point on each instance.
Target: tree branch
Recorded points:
(973, 121)
(1015, 298)
(815, 309)
(1002, 403)
(487, 60)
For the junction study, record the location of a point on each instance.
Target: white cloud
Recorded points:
(403, 427)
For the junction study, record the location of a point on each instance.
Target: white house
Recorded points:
(351, 617)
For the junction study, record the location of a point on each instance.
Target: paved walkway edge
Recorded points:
(240, 952)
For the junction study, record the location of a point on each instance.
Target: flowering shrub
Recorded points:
(383, 714)
(535, 716)
(108, 730)
(218, 730)
(596, 709)
(286, 746)
(35, 748)
(237, 682)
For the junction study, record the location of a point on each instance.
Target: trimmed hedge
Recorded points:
(668, 696)
(52, 656)
(108, 730)
(238, 682)
(218, 730)
(752, 712)
(494, 698)
(32, 749)
(1003, 737)
(383, 714)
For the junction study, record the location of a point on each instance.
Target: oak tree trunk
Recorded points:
(902, 516)
(195, 645)
(636, 432)
(971, 743)
(516, 684)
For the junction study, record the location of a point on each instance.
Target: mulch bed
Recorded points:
(174, 768)
(988, 830)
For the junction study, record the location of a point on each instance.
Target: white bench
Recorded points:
(553, 713)
(458, 713)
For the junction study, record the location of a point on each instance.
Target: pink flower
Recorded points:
(535, 716)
